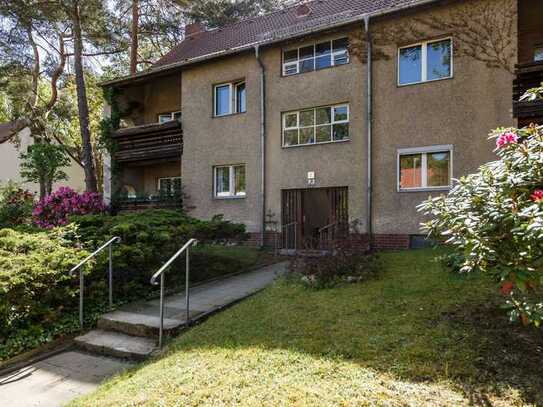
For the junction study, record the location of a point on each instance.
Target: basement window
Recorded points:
(425, 168)
(425, 62)
(230, 181)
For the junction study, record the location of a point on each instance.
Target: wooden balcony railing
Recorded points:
(149, 142)
(528, 76)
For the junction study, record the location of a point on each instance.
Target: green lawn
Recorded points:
(416, 335)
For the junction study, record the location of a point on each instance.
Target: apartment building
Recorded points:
(329, 112)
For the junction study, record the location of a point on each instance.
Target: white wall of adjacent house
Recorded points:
(10, 166)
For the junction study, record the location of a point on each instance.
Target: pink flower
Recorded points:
(537, 196)
(507, 138)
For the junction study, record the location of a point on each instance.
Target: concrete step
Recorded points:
(144, 320)
(116, 344)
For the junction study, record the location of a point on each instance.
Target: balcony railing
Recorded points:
(528, 76)
(149, 202)
(149, 142)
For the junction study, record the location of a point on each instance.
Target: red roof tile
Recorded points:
(279, 24)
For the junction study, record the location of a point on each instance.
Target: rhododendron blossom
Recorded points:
(506, 138)
(537, 196)
(55, 209)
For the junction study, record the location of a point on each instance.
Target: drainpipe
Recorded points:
(262, 142)
(369, 119)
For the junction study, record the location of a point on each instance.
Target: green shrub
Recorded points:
(15, 205)
(35, 287)
(149, 239)
(494, 220)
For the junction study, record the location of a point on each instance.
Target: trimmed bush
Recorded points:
(36, 290)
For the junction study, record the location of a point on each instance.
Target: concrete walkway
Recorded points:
(61, 378)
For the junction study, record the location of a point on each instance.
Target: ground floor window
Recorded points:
(424, 168)
(169, 186)
(230, 181)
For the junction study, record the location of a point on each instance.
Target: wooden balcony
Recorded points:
(149, 142)
(528, 76)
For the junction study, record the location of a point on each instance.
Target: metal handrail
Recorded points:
(160, 273)
(108, 244)
(287, 233)
(327, 230)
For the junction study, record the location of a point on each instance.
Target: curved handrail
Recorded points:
(116, 239)
(191, 242)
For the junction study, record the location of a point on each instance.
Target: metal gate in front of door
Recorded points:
(308, 215)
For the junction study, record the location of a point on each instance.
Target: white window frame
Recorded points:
(315, 125)
(233, 96)
(170, 115)
(424, 61)
(231, 194)
(314, 58)
(424, 151)
(161, 179)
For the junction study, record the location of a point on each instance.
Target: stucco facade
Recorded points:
(458, 111)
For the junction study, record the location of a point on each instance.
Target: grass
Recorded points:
(417, 335)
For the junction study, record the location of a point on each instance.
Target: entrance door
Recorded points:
(311, 215)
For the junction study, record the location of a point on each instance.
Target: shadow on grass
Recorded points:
(416, 323)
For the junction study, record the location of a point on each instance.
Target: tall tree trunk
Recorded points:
(134, 37)
(82, 104)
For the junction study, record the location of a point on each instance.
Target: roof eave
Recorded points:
(245, 47)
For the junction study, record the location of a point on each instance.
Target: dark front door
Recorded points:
(306, 212)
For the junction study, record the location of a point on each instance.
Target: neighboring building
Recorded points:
(275, 115)
(10, 161)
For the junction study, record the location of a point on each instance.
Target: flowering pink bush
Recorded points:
(55, 209)
(537, 196)
(506, 138)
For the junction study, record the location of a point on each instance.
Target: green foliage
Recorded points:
(494, 219)
(218, 13)
(38, 297)
(43, 163)
(35, 287)
(15, 205)
(150, 238)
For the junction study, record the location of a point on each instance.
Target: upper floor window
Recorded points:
(424, 168)
(538, 53)
(318, 125)
(316, 56)
(230, 98)
(229, 181)
(424, 62)
(168, 117)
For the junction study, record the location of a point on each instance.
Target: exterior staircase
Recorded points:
(132, 332)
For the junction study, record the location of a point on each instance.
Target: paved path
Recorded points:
(57, 380)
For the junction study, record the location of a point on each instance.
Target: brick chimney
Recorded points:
(303, 10)
(194, 28)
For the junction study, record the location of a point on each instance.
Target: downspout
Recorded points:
(262, 142)
(369, 119)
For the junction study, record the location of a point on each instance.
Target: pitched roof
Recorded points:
(277, 26)
(282, 23)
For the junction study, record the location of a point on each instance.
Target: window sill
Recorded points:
(399, 85)
(315, 70)
(228, 115)
(317, 144)
(229, 198)
(428, 189)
